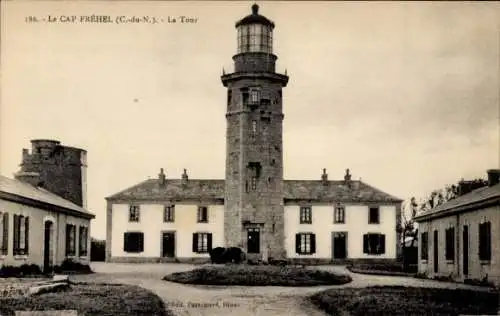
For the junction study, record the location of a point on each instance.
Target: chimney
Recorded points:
(324, 177)
(493, 177)
(32, 178)
(162, 177)
(347, 178)
(184, 178)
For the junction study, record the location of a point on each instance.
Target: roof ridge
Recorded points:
(130, 188)
(380, 191)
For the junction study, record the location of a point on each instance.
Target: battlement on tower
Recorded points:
(44, 151)
(59, 169)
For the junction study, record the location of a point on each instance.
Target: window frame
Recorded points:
(134, 213)
(302, 241)
(424, 246)
(202, 214)
(21, 235)
(253, 183)
(305, 214)
(70, 240)
(380, 247)
(371, 220)
(450, 244)
(339, 214)
(170, 211)
(484, 235)
(4, 233)
(203, 239)
(83, 238)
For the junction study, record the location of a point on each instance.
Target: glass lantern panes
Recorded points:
(255, 38)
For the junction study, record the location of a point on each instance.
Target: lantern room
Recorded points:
(255, 33)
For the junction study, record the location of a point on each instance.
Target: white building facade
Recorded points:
(461, 238)
(253, 208)
(159, 220)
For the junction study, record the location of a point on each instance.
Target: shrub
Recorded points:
(480, 282)
(261, 275)
(444, 278)
(216, 255)
(399, 300)
(20, 271)
(69, 265)
(91, 300)
(227, 255)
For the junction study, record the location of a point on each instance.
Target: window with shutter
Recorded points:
(374, 244)
(305, 243)
(202, 242)
(133, 242)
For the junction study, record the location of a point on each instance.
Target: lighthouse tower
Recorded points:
(254, 210)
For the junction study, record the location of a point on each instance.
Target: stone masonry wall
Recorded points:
(59, 167)
(254, 138)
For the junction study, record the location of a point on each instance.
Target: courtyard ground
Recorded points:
(235, 300)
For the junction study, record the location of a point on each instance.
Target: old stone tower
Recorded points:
(59, 169)
(254, 211)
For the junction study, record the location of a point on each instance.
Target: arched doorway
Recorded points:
(47, 246)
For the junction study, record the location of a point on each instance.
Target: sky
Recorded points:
(404, 94)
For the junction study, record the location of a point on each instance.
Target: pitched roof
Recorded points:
(335, 191)
(27, 191)
(464, 202)
(292, 189)
(173, 189)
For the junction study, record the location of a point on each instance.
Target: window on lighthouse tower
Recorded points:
(254, 96)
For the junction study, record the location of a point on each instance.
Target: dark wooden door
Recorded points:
(436, 253)
(46, 246)
(465, 243)
(339, 245)
(168, 245)
(253, 240)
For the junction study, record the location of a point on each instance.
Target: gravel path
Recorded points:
(234, 300)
